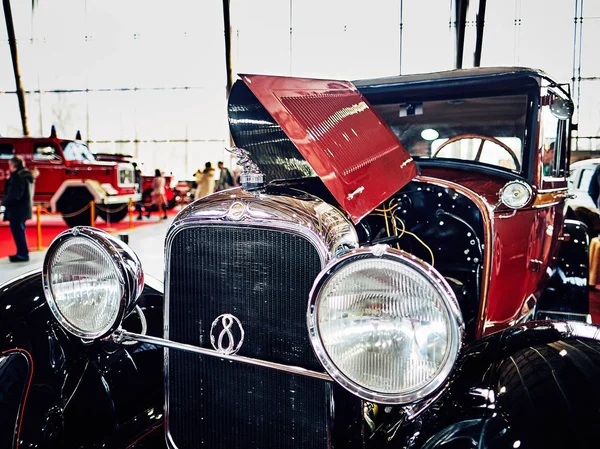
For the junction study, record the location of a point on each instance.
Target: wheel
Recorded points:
(147, 203)
(74, 207)
(147, 197)
(82, 219)
(112, 213)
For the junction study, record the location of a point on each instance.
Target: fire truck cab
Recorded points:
(70, 178)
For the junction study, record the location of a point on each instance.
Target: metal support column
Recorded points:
(461, 22)
(480, 26)
(227, 29)
(12, 42)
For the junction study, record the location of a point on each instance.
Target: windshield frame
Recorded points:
(475, 87)
(63, 146)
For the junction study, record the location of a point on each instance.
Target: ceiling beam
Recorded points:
(461, 21)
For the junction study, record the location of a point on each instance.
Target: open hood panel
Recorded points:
(345, 142)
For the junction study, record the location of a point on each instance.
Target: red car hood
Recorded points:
(347, 144)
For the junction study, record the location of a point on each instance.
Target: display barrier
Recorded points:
(39, 211)
(130, 213)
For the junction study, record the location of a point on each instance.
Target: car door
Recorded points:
(47, 158)
(6, 152)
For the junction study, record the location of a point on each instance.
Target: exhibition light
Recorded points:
(430, 134)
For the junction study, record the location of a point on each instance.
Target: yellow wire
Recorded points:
(404, 231)
(391, 209)
(386, 210)
(423, 243)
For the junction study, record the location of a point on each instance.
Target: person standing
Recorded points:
(225, 180)
(18, 199)
(205, 181)
(158, 194)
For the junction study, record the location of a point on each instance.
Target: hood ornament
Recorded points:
(251, 177)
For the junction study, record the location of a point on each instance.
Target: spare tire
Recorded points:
(74, 207)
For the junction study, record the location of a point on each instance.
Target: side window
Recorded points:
(44, 152)
(586, 176)
(574, 178)
(6, 150)
(553, 139)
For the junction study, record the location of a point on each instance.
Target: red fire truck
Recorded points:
(70, 178)
(175, 193)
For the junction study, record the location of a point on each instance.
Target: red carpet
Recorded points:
(52, 225)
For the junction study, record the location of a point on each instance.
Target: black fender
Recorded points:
(567, 291)
(531, 386)
(587, 216)
(16, 370)
(78, 395)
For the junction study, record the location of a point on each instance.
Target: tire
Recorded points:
(147, 197)
(82, 219)
(112, 213)
(73, 200)
(171, 203)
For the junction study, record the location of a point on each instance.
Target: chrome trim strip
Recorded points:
(121, 336)
(518, 182)
(487, 214)
(324, 226)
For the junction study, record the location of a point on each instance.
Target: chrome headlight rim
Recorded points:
(435, 279)
(128, 271)
(509, 184)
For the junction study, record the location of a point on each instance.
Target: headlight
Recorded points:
(385, 325)
(516, 194)
(91, 281)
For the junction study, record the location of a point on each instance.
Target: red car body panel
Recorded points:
(360, 160)
(53, 172)
(520, 260)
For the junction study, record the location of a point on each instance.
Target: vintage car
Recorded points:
(581, 206)
(174, 192)
(70, 178)
(374, 283)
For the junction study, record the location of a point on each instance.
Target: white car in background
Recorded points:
(582, 207)
(579, 181)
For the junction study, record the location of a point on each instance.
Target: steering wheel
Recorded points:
(480, 149)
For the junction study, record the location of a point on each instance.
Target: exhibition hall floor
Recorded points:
(147, 241)
(52, 225)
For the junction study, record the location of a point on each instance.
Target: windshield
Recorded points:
(75, 151)
(483, 130)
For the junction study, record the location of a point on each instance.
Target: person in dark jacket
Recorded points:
(18, 198)
(225, 180)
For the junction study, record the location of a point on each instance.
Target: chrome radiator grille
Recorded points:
(262, 277)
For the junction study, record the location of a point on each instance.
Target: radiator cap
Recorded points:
(251, 177)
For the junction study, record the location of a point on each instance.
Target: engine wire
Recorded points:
(394, 219)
